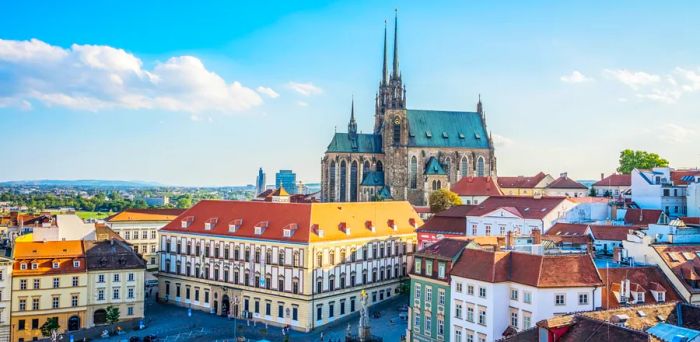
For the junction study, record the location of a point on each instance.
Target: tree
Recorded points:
(50, 325)
(443, 199)
(630, 160)
(184, 202)
(112, 314)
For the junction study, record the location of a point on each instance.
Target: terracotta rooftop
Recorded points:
(145, 215)
(111, 255)
(589, 329)
(303, 222)
(525, 207)
(684, 261)
(575, 270)
(565, 182)
(445, 249)
(677, 176)
(647, 277)
(444, 225)
(45, 254)
(567, 229)
(653, 314)
(642, 216)
(612, 233)
(477, 186)
(521, 181)
(615, 179)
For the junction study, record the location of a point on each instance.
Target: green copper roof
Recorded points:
(366, 143)
(373, 178)
(434, 168)
(433, 128)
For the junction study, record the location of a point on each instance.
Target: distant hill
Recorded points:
(95, 183)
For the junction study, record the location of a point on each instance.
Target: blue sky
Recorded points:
(205, 94)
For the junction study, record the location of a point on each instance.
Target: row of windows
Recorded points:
(56, 283)
(343, 193)
(375, 296)
(377, 251)
(55, 302)
(459, 287)
(237, 255)
(384, 274)
(134, 235)
(54, 264)
(116, 277)
(116, 293)
(145, 248)
(204, 273)
(428, 270)
(469, 336)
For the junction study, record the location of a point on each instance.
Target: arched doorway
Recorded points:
(225, 305)
(73, 323)
(100, 316)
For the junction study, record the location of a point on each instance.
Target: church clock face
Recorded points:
(397, 121)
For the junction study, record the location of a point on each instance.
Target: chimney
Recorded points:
(602, 175)
(616, 254)
(509, 240)
(536, 236)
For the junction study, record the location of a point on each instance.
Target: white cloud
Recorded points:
(674, 133)
(575, 77)
(501, 141)
(306, 89)
(267, 91)
(632, 79)
(97, 77)
(302, 104)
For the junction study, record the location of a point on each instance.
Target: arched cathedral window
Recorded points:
(464, 167)
(380, 166)
(343, 180)
(397, 131)
(331, 172)
(480, 167)
(353, 182)
(414, 172)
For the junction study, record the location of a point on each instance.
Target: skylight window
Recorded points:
(428, 134)
(444, 135)
(461, 135)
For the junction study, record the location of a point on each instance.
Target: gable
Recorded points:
(508, 212)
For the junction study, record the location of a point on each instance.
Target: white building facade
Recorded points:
(519, 217)
(5, 297)
(654, 189)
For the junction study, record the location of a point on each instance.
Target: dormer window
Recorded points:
(343, 227)
(234, 225)
(187, 221)
(289, 230)
(316, 229)
(210, 223)
(76, 263)
(392, 224)
(55, 264)
(260, 227)
(35, 266)
(23, 266)
(660, 296)
(369, 226)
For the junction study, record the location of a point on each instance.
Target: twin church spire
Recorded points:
(392, 93)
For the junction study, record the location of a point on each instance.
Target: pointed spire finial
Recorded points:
(352, 125)
(385, 71)
(479, 106)
(395, 71)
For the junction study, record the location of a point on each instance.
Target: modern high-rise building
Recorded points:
(260, 182)
(286, 179)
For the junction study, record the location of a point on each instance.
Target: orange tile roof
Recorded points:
(477, 186)
(615, 179)
(304, 219)
(683, 260)
(45, 253)
(146, 215)
(565, 182)
(642, 216)
(647, 277)
(520, 181)
(575, 270)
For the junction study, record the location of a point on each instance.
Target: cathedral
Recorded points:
(411, 152)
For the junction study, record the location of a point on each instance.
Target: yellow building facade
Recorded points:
(49, 280)
(286, 264)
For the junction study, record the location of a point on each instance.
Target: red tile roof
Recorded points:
(446, 248)
(304, 219)
(677, 175)
(520, 181)
(691, 220)
(683, 260)
(642, 216)
(565, 182)
(445, 225)
(525, 207)
(612, 233)
(477, 186)
(615, 179)
(647, 277)
(567, 229)
(574, 270)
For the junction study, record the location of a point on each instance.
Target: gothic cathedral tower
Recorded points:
(391, 123)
